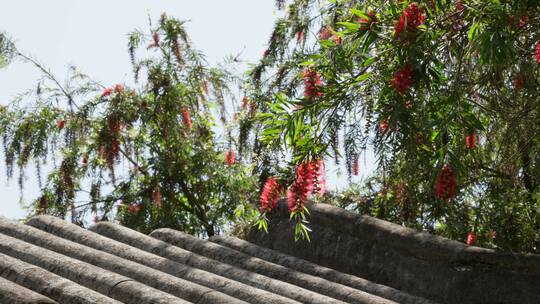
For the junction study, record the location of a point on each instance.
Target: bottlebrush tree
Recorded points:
(445, 92)
(147, 155)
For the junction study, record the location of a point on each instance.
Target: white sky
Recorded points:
(93, 36)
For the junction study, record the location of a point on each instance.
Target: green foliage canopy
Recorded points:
(149, 156)
(431, 86)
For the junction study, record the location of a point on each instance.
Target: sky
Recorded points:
(92, 35)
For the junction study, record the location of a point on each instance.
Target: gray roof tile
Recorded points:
(49, 260)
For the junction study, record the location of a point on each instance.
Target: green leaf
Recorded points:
(349, 25)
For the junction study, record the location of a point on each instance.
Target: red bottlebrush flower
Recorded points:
(403, 79)
(383, 126)
(112, 152)
(537, 52)
(187, 118)
(60, 124)
(518, 83)
(118, 88)
(300, 37)
(303, 185)
(337, 39)
(471, 238)
(445, 185)
(106, 92)
(355, 166)
(230, 157)
(523, 21)
(156, 196)
(270, 194)
(319, 180)
(312, 83)
(411, 18)
(367, 23)
(459, 6)
(293, 201)
(471, 140)
(133, 208)
(325, 33)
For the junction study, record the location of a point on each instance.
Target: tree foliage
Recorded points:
(148, 155)
(445, 92)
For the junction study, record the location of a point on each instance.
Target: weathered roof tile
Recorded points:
(49, 260)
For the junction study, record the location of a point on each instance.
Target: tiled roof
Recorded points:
(49, 260)
(416, 262)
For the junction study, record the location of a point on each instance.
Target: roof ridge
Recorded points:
(410, 241)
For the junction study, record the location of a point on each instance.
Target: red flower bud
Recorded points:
(133, 208)
(403, 79)
(446, 184)
(60, 124)
(471, 238)
(118, 88)
(537, 52)
(106, 92)
(411, 18)
(270, 194)
(187, 118)
(471, 139)
(230, 157)
(383, 126)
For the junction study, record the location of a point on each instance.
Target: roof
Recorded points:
(48, 260)
(416, 262)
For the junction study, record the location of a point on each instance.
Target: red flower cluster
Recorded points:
(383, 126)
(309, 179)
(411, 18)
(312, 83)
(118, 88)
(325, 33)
(471, 237)
(106, 92)
(471, 140)
(523, 21)
(518, 83)
(537, 52)
(459, 6)
(60, 124)
(187, 118)
(355, 167)
(230, 157)
(319, 182)
(367, 23)
(403, 79)
(300, 37)
(133, 208)
(445, 186)
(270, 194)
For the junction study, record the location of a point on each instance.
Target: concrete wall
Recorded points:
(415, 262)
